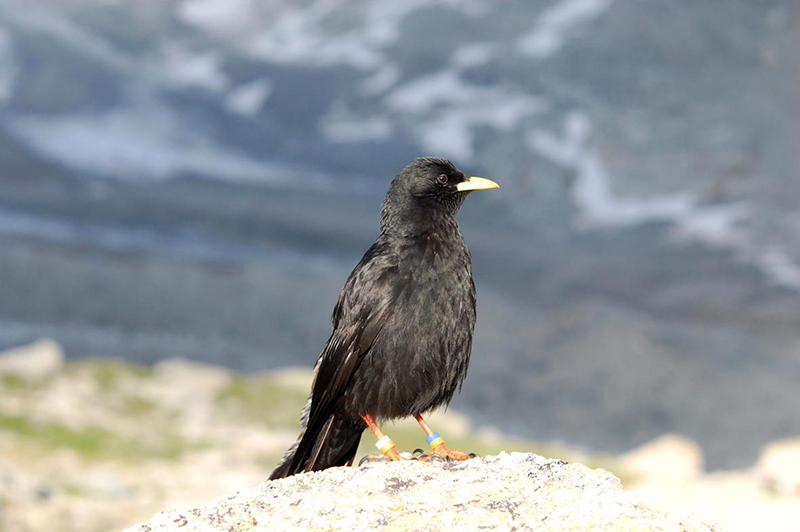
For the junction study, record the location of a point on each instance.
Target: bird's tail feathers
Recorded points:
(335, 444)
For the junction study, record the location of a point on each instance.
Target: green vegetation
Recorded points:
(144, 428)
(92, 442)
(265, 399)
(137, 407)
(107, 372)
(13, 383)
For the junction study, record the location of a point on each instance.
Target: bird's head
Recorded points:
(427, 192)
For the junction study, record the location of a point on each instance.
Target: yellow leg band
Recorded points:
(436, 442)
(384, 444)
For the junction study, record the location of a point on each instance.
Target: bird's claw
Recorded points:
(432, 458)
(452, 454)
(440, 455)
(372, 458)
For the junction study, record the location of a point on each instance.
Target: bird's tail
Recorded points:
(334, 445)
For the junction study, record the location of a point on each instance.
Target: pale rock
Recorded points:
(33, 361)
(103, 482)
(668, 456)
(779, 467)
(190, 388)
(18, 485)
(206, 377)
(508, 492)
(298, 378)
(735, 499)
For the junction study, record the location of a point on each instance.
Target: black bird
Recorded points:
(402, 327)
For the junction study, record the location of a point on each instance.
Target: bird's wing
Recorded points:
(358, 318)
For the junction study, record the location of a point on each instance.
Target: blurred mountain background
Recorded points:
(196, 178)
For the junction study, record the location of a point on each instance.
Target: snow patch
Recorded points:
(447, 89)
(248, 99)
(445, 110)
(184, 69)
(41, 19)
(592, 191)
(776, 262)
(381, 81)
(190, 244)
(342, 126)
(17, 223)
(296, 42)
(423, 93)
(448, 135)
(135, 143)
(283, 32)
(717, 225)
(8, 66)
(551, 29)
(473, 55)
(450, 131)
(222, 16)
(314, 33)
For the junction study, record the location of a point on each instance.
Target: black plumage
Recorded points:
(403, 323)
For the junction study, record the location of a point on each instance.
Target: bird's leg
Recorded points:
(437, 444)
(384, 444)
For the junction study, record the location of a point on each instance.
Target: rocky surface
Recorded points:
(98, 445)
(34, 361)
(506, 492)
(667, 473)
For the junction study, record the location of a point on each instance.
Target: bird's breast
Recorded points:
(433, 256)
(421, 355)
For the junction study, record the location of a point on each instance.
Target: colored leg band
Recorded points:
(434, 440)
(384, 444)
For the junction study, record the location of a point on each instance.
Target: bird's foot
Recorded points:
(390, 456)
(442, 453)
(423, 456)
(371, 458)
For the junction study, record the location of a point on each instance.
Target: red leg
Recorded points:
(385, 444)
(436, 443)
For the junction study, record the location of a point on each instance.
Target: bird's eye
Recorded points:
(442, 179)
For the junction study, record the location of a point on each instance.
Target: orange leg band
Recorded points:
(436, 442)
(385, 443)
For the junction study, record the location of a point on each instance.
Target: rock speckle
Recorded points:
(514, 491)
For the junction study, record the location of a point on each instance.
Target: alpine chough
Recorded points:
(402, 326)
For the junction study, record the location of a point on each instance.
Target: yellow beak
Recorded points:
(476, 183)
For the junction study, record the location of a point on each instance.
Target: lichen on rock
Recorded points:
(516, 491)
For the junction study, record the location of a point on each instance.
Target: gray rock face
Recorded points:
(196, 178)
(506, 492)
